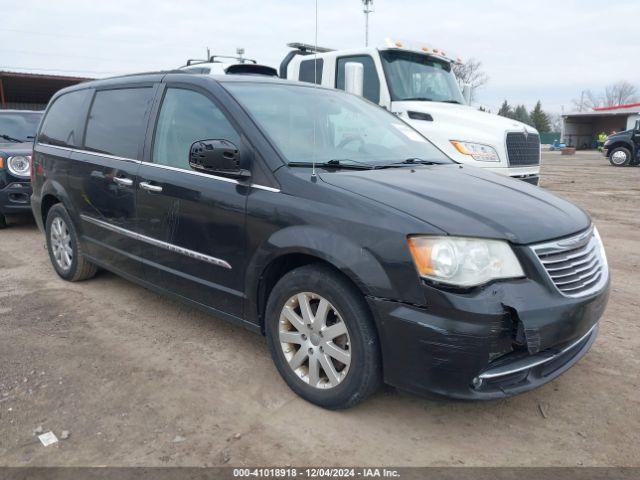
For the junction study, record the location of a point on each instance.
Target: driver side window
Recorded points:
(186, 117)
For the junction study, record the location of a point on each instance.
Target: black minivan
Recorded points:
(325, 223)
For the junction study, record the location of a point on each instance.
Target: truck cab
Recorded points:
(418, 85)
(623, 148)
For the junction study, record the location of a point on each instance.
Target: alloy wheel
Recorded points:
(61, 243)
(619, 157)
(315, 340)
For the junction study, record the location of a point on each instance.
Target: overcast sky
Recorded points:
(547, 50)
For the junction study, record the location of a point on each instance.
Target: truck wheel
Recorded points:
(64, 249)
(620, 157)
(322, 337)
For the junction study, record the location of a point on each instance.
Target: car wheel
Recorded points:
(64, 249)
(620, 157)
(3, 221)
(322, 337)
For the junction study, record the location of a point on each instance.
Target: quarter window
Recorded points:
(62, 125)
(186, 117)
(117, 121)
(371, 87)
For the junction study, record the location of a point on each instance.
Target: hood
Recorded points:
(12, 148)
(467, 201)
(623, 134)
(461, 121)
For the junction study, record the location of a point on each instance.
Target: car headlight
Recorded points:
(607, 142)
(463, 262)
(478, 151)
(19, 165)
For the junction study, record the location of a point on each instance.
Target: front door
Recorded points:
(193, 223)
(103, 176)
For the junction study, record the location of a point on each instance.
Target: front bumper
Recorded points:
(505, 339)
(14, 198)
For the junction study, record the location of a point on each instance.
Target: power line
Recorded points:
(60, 70)
(89, 57)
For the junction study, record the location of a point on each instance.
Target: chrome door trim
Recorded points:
(124, 182)
(166, 167)
(157, 243)
(150, 187)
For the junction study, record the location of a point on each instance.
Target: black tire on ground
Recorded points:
(80, 268)
(3, 221)
(620, 151)
(364, 375)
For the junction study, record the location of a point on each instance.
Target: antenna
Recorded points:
(368, 8)
(315, 83)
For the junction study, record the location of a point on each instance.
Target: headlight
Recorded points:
(478, 151)
(607, 142)
(19, 165)
(603, 254)
(463, 262)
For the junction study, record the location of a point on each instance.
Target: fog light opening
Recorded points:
(476, 382)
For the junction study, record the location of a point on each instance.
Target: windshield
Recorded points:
(18, 126)
(412, 76)
(310, 124)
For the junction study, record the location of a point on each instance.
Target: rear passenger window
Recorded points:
(62, 125)
(371, 87)
(117, 121)
(308, 73)
(186, 117)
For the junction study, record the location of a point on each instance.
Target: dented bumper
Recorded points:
(502, 340)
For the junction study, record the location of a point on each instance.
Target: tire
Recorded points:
(622, 157)
(3, 222)
(327, 383)
(64, 248)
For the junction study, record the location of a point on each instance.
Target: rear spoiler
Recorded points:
(251, 69)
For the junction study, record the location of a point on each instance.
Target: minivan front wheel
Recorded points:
(322, 338)
(63, 246)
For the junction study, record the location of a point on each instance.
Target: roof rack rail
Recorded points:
(213, 59)
(305, 47)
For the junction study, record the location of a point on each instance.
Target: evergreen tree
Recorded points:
(505, 110)
(520, 114)
(539, 119)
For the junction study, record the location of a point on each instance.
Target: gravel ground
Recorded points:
(140, 380)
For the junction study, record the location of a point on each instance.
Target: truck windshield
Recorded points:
(310, 124)
(18, 126)
(412, 76)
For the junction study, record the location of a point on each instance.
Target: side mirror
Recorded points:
(354, 78)
(466, 93)
(637, 129)
(217, 157)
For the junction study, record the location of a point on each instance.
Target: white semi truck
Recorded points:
(418, 85)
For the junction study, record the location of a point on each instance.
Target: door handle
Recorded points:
(124, 182)
(150, 188)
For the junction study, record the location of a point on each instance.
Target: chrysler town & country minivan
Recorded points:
(324, 222)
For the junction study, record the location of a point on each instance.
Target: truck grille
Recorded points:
(523, 149)
(577, 266)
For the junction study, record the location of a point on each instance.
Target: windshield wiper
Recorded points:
(417, 99)
(412, 161)
(10, 139)
(452, 101)
(345, 163)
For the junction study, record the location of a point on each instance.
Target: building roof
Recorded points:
(32, 88)
(629, 109)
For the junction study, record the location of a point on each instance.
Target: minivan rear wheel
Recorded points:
(322, 337)
(63, 246)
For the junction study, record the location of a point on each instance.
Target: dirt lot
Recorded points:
(140, 380)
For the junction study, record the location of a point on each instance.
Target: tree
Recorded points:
(539, 119)
(520, 114)
(470, 73)
(505, 110)
(620, 93)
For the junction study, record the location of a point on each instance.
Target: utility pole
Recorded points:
(368, 8)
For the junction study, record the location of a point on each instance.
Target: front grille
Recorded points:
(576, 265)
(523, 149)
